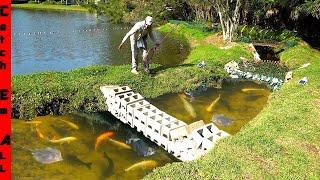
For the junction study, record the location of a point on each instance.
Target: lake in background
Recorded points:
(72, 40)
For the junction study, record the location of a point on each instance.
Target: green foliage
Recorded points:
(32, 2)
(247, 34)
(114, 9)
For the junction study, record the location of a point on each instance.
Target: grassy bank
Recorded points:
(78, 90)
(53, 7)
(282, 142)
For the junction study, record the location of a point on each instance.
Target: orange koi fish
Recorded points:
(102, 137)
(39, 134)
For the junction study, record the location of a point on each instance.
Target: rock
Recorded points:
(274, 81)
(256, 77)
(288, 76)
(202, 64)
(303, 81)
(248, 75)
(221, 120)
(234, 76)
(140, 147)
(263, 78)
(231, 66)
(268, 79)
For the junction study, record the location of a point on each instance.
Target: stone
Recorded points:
(288, 76)
(221, 120)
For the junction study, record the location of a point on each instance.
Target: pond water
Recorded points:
(109, 160)
(239, 102)
(74, 39)
(236, 105)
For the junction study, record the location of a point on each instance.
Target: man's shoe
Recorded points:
(134, 71)
(147, 71)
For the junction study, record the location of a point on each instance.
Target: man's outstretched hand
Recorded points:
(120, 46)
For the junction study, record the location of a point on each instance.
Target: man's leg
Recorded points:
(145, 60)
(134, 54)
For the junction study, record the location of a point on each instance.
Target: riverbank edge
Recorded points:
(281, 142)
(49, 7)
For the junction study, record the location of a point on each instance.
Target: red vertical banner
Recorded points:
(5, 89)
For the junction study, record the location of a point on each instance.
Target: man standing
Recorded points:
(138, 40)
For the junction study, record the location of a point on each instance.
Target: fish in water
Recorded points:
(108, 171)
(251, 97)
(63, 140)
(210, 108)
(188, 107)
(141, 147)
(47, 155)
(72, 125)
(119, 144)
(251, 89)
(72, 159)
(32, 122)
(39, 134)
(102, 137)
(221, 120)
(147, 164)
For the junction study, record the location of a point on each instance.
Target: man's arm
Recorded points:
(131, 32)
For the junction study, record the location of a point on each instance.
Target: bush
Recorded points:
(32, 2)
(48, 2)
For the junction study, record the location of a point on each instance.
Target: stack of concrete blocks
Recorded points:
(198, 142)
(110, 92)
(131, 108)
(141, 115)
(173, 135)
(125, 101)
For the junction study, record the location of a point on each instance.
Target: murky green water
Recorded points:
(239, 102)
(76, 153)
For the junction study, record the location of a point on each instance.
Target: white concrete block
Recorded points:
(165, 131)
(212, 128)
(125, 102)
(222, 134)
(132, 107)
(166, 116)
(206, 145)
(179, 133)
(140, 117)
(153, 128)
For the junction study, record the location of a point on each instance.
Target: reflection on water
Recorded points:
(229, 108)
(69, 48)
(80, 159)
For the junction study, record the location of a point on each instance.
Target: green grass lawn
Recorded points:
(50, 7)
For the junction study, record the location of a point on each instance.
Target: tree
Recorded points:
(229, 14)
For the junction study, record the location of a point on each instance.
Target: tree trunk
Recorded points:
(229, 23)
